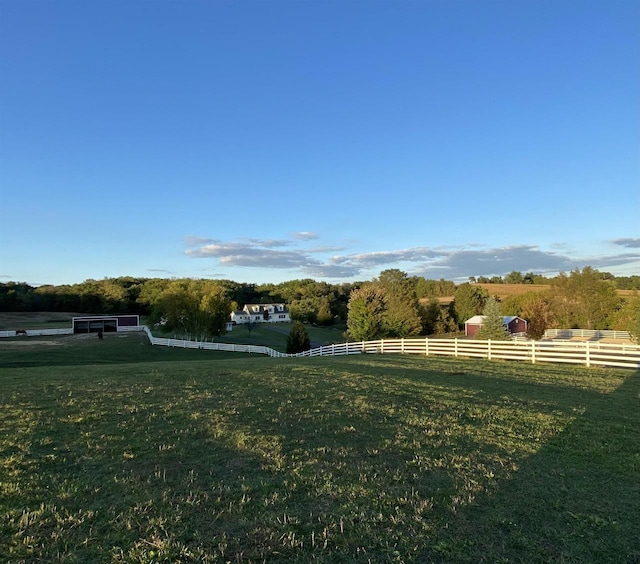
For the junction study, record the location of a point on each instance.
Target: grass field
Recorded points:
(117, 451)
(274, 335)
(503, 291)
(35, 320)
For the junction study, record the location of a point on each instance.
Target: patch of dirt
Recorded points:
(30, 343)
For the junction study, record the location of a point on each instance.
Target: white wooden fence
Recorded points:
(38, 332)
(587, 353)
(588, 333)
(584, 353)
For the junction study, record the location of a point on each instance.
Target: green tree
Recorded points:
(537, 313)
(306, 298)
(429, 314)
(445, 323)
(469, 300)
(514, 277)
(402, 315)
(298, 339)
(324, 315)
(534, 307)
(627, 318)
(367, 307)
(583, 300)
(198, 308)
(493, 324)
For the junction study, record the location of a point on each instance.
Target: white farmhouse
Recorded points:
(261, 313)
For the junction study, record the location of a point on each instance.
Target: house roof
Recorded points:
(261, 308)
(479, 319)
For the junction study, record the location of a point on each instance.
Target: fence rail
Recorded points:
(583, 353)
(36, 332)
(589, 333)
(587, 353)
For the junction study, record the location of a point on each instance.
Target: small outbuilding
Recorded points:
(104, 323)
(513, 323)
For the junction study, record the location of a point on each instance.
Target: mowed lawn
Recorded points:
(116, 451)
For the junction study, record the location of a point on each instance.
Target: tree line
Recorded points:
(390, 305)
(515, 277)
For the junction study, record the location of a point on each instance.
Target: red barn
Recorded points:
(513, 323)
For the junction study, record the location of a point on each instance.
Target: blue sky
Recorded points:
(267, 141)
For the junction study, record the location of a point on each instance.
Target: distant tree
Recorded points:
(583, 300)
(429, 314)
(532, 306)
(324, 315)
(445, 323)
(426, 288)
(537, 312)
(250, 325)
(367, 307)
(514, 277)
(493, 324)
(628, 282)
(513, 305)
(307, 297)
(469, 300)
(627, 318)
(304, 309)
(114, 296)
(402, 315)
(198, 308)
(15, 296)
(531, 278)
(298, 339)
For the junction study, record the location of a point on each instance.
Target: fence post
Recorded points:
(381, 346)
(426, 346)
(455, 347)
(488, 349)
(587, 355)
(402, 345)
(533, 352)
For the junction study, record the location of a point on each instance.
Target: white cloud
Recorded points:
(633, 243)
(305, 235)
(253, 253)
(440, 262)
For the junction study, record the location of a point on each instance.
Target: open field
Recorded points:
(274, 335)
(35, 319)
(116, 451)
(506, 290)
(503, 291)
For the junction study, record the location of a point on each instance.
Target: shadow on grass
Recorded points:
(572, 501)
(335, 460)
(83, 350)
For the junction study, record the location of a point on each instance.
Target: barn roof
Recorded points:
(479, 319)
